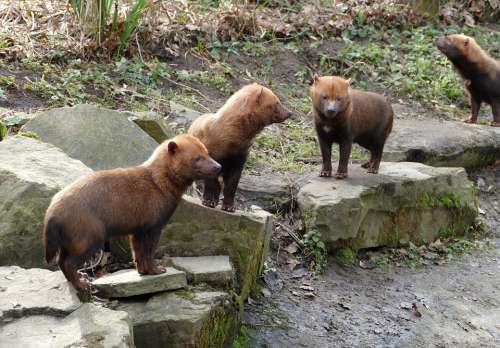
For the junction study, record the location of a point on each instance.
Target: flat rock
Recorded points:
(196, 230)
(31, 172)
(88, 326)
(404, 202)
(213, 270)
(268, 191)
(153, 124)
(443, 143)
(129, 282)
(99, 137)
(180, 116)
(34, 291)
(185, 318)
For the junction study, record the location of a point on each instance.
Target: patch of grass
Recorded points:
(8, 81)
(29, 134)
(408, 64)
(243, 338)
(346, 255)
(3, 130)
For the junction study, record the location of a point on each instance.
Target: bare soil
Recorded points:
(456, 304)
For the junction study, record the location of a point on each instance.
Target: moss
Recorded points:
(29, 134)
(242, 340)
(346, 255)
(219, 329)
(308, 216)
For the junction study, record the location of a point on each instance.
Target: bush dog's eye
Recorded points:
(323, 96)
(339, 99)
(198, 158)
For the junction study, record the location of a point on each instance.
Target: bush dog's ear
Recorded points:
(172, 147)
(315, 79)
(261, 93)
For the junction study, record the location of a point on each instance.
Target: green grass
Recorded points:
(409, 65)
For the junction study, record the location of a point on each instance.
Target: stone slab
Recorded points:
(213, 270)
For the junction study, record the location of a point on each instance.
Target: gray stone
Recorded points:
(89, 326)
(129, 282)
(213, 270)
(185, 318)
(196, 230)
(268, 191)
(181, 116)
(443, 143)
(34, 291)
(100, 138)
(404, 202)
(31, 172)
(153, 124)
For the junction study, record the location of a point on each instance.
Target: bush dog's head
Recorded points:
(259, 103)
(457, 46)
(330, 95)
(185, 157)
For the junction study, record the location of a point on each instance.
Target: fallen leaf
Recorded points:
(309, 294)
(415, 311)
(307, 287)
(266, 292)
(366, 264)
(292, 248)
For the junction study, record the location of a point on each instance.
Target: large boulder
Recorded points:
(404, 202)
(196, 230)
(31, 172)
(100, 138)
(443, 143)
(185, 318)
(39, 308)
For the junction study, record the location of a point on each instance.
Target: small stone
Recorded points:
(214, 270)
(129, 282)
(265, 292)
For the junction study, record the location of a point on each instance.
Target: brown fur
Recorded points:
(343, 115)
(229, 134)
(480, 72)
(135, 201)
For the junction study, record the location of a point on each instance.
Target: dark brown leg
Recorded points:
(475, 105)
(231, 179)
(211, 192)
(143, 245)
(495, 108)
(345, 153)
(326, 154)
(376, 156)
(69, 265)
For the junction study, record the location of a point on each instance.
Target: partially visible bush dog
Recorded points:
(345, 116)
(480, 72)
(229, 133)
(135, 201)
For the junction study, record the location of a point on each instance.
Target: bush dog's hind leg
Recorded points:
(345, 153)
(326, 154)
(495, 108)
(211, 192)
(231, 176)
(143, 244)
(376, 157)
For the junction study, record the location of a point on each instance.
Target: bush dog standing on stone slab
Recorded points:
(229, 133)
(343, 115)
(135, 201)
(480, 72)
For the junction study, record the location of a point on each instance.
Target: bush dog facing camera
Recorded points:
(480, 72)
(135, 201)
(343, 115)
(229, 133)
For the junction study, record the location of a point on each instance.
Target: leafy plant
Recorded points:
(99, 19)
(315, 251)
(3, 130)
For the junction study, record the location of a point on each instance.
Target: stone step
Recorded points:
(40, 309)
(213, 270)
(129, 282)
(183, 318)
(406, 201)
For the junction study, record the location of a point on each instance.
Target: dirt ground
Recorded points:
(457, 303)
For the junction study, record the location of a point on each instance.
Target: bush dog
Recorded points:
(229, 133)
(135, 201)
(343, 115)
(480, 72)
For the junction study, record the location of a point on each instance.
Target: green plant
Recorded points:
(314, 251)
(29, 134)
(3, 130)
(243, 338)
(99, 20)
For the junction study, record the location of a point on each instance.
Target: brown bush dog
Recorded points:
(343, 115)
(135, 201)
(229, 133)
(480, 72)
